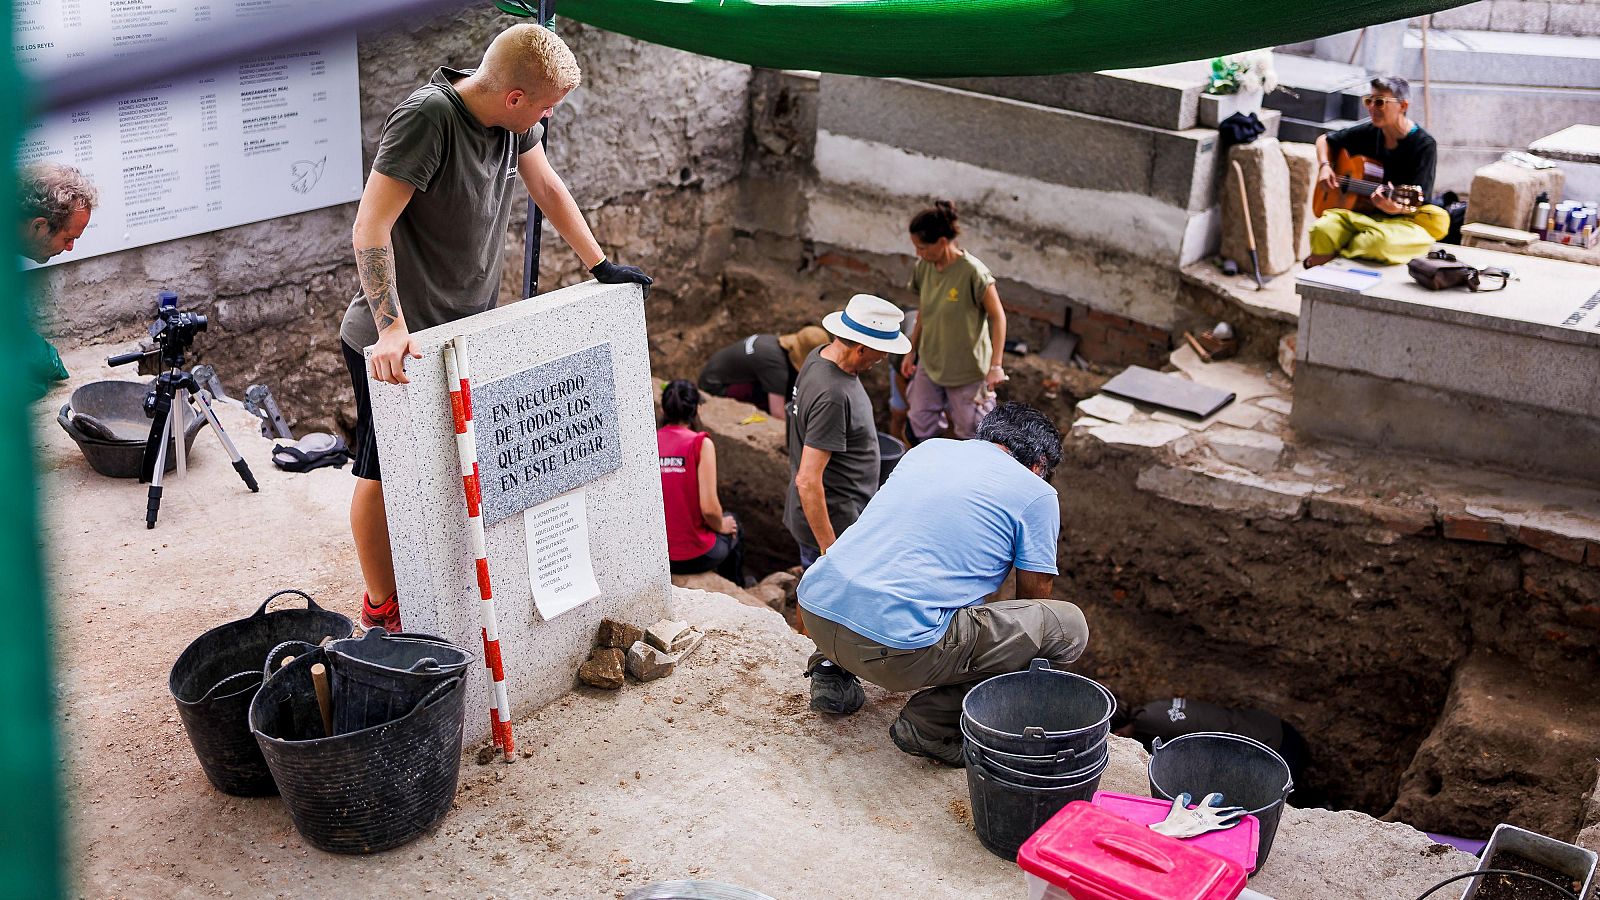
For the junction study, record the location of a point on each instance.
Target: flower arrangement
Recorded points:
(1243, 73)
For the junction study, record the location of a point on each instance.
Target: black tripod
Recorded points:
(169, 402)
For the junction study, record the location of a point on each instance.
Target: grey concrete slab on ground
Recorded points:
(1158, 96)
(1052, 145)
(426, 506)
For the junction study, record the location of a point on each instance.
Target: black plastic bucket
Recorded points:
(369, 790)
(216, 677)
(1039, 776)
(890, 451)
(381, 676)
(1038, 712)
(1005, 814)
(1247, 773)
(1059, 763)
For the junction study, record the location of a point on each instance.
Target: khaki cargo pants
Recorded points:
(982, 641)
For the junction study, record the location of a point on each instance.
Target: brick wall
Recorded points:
(1571, 17)
(1114, 340)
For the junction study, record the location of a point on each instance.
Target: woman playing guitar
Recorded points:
(1373, 183)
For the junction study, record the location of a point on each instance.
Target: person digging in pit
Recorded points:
(429, 234)
(761, 368)
(898, 600)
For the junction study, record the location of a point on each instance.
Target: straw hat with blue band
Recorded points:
(870, 321)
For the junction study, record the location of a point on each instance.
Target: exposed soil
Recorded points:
(1510, 887)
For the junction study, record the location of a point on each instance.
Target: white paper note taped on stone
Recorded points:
(559, 564)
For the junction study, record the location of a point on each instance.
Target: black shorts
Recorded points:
(364, 443)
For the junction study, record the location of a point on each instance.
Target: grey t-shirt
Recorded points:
(830, 411)
(448, 241)
(757, 360)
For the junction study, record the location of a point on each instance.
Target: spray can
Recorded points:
(1541, 216)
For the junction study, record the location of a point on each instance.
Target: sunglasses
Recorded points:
(1370, 100)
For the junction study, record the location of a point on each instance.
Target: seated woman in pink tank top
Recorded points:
(700, 535)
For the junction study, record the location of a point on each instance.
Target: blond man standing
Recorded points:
(429, 232)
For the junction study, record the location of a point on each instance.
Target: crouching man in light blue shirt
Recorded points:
(898, 599)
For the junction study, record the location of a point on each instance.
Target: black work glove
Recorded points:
(607, 272)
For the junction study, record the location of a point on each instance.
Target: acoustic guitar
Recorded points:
(1359, 177)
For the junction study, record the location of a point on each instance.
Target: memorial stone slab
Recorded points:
(581, 351)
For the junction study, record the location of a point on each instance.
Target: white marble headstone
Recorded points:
(592, 331)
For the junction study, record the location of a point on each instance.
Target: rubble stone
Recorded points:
(1266, 181)
(646, 663)
(1503, 193)
(619, 635)
(1253, 450)
(1302, 160)
(672, 637)
(603, 669)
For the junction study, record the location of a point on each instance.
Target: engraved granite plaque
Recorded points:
(546, 430)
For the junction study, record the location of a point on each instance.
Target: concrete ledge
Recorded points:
(1502, 58)
(1158, 96)
(1386, 414)
(1026, 139)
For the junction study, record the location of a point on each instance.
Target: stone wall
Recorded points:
(1573, 17)
(650, 146)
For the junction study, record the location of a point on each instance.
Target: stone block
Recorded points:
(1574, 19)
(1230, 491)
(1266, 183)
(647, 663)
(427, 512)
(1254, 450)
(670, 636)
(1551, 65)
(1302, 160)
(620, 635)
(603, 669)
(1472, 17)
(1524, 16)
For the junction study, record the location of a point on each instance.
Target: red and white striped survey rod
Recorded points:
(458, 369)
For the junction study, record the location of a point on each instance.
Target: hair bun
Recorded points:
(947, 207)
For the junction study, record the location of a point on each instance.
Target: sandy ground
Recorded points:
(719, 772)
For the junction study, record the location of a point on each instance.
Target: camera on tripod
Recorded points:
(169, 402)
(173, 331)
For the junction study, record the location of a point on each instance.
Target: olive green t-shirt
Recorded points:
(954, 348)
(448, 240)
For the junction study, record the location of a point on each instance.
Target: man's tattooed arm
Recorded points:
(375, 266)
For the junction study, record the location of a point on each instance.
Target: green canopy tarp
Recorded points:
(956, 38)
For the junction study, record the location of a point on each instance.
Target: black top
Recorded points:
(757, 360)
(1412, 161)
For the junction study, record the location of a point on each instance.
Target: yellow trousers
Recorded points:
(1385, 239)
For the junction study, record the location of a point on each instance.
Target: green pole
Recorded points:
(30, 828)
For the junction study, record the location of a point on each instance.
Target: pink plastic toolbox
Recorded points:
(1238, 843)
(1087, 853)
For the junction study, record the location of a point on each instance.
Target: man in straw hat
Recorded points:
(899, 599)
(833, 452)
(761, 368)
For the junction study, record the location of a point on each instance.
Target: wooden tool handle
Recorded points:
(319, 677)
(1244, 205)
(284, 663)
